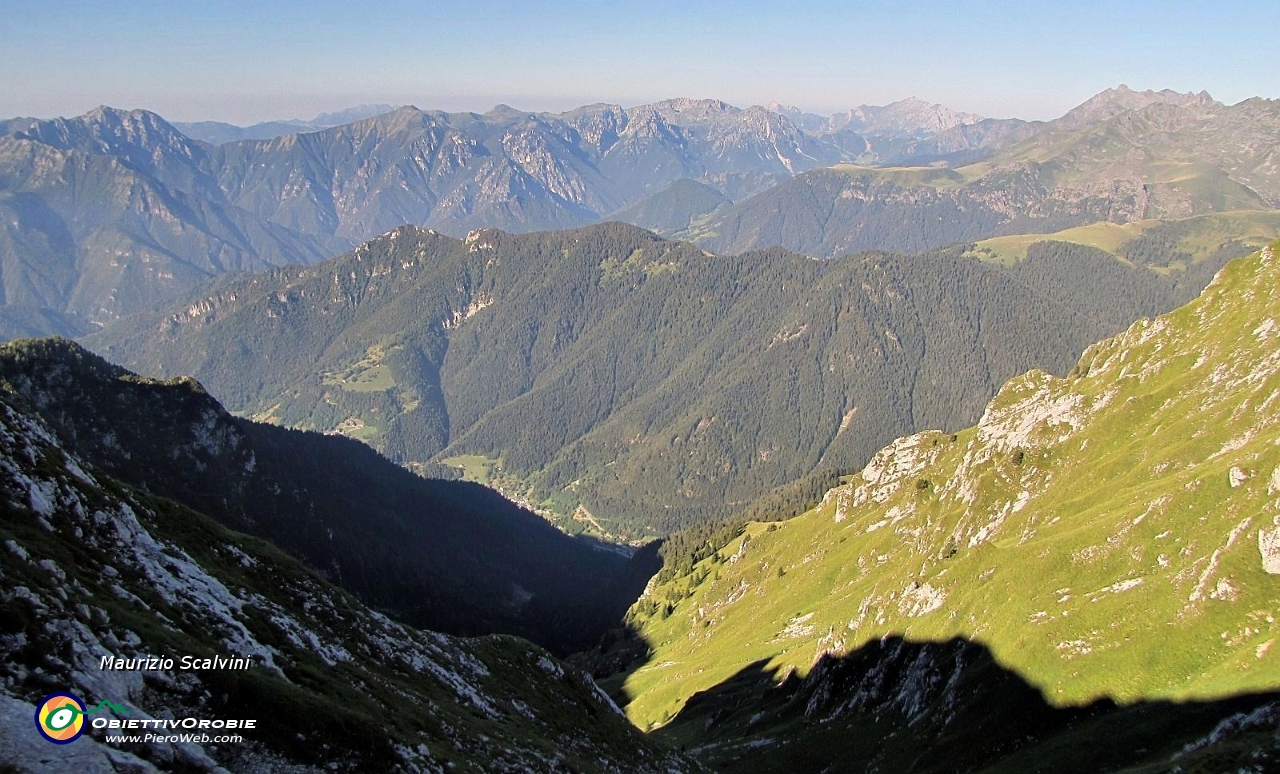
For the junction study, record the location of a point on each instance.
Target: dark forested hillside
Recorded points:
(674, 208)
(450, 555)
(621, 378)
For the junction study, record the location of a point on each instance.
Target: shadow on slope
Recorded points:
(898, 706)
(443, 555)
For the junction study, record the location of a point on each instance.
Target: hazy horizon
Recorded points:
(514, 103)
(244, 63)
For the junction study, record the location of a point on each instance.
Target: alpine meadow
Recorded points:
(639, 432)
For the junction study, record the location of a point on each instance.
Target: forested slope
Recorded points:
(651, 383)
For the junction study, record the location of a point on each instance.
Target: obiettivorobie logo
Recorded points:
(60, 716)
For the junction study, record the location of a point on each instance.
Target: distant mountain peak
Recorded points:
(102, 111)
(686, 103)
(810, 122)
(355, 113)
(504, 111)
(134, 136)
(398, 117)
(1122, 98)
(108, 114)
(910, 102)
(1123, 91)
(693, 110)
(910, 116)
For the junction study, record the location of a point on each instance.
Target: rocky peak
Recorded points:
(692, 111)
(402, 120)
(1121, 99)
(598, 125)
(810, 122)
(908, 117)
(137, 136)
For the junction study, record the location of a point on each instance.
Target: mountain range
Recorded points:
(982, 600)
(632, 383)
(1171, 158)
(117, 212)
(913, 514)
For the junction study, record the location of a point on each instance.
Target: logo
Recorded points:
(60, 716)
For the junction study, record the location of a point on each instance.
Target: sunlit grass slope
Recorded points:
(1114, 533)
(1197, 237)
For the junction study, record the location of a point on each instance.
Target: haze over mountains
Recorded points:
(117, 212)
(219, 132)
(1168, 159)
(114, 214)
(1084, 579)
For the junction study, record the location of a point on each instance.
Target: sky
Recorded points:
(244, 62)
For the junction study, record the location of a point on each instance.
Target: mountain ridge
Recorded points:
(1138, 493)
(446, 555)
(96, 570)
(1161, 160)
(115, 212)
(753, 370)
(221, 132)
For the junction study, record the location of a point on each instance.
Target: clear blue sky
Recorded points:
(245, 61)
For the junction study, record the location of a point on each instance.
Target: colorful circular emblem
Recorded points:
(60, 717)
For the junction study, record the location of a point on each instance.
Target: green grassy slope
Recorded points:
(1115, 533)
(1197, 237)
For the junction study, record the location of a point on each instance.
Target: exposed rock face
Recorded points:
(1269, 547)
(93, 570)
